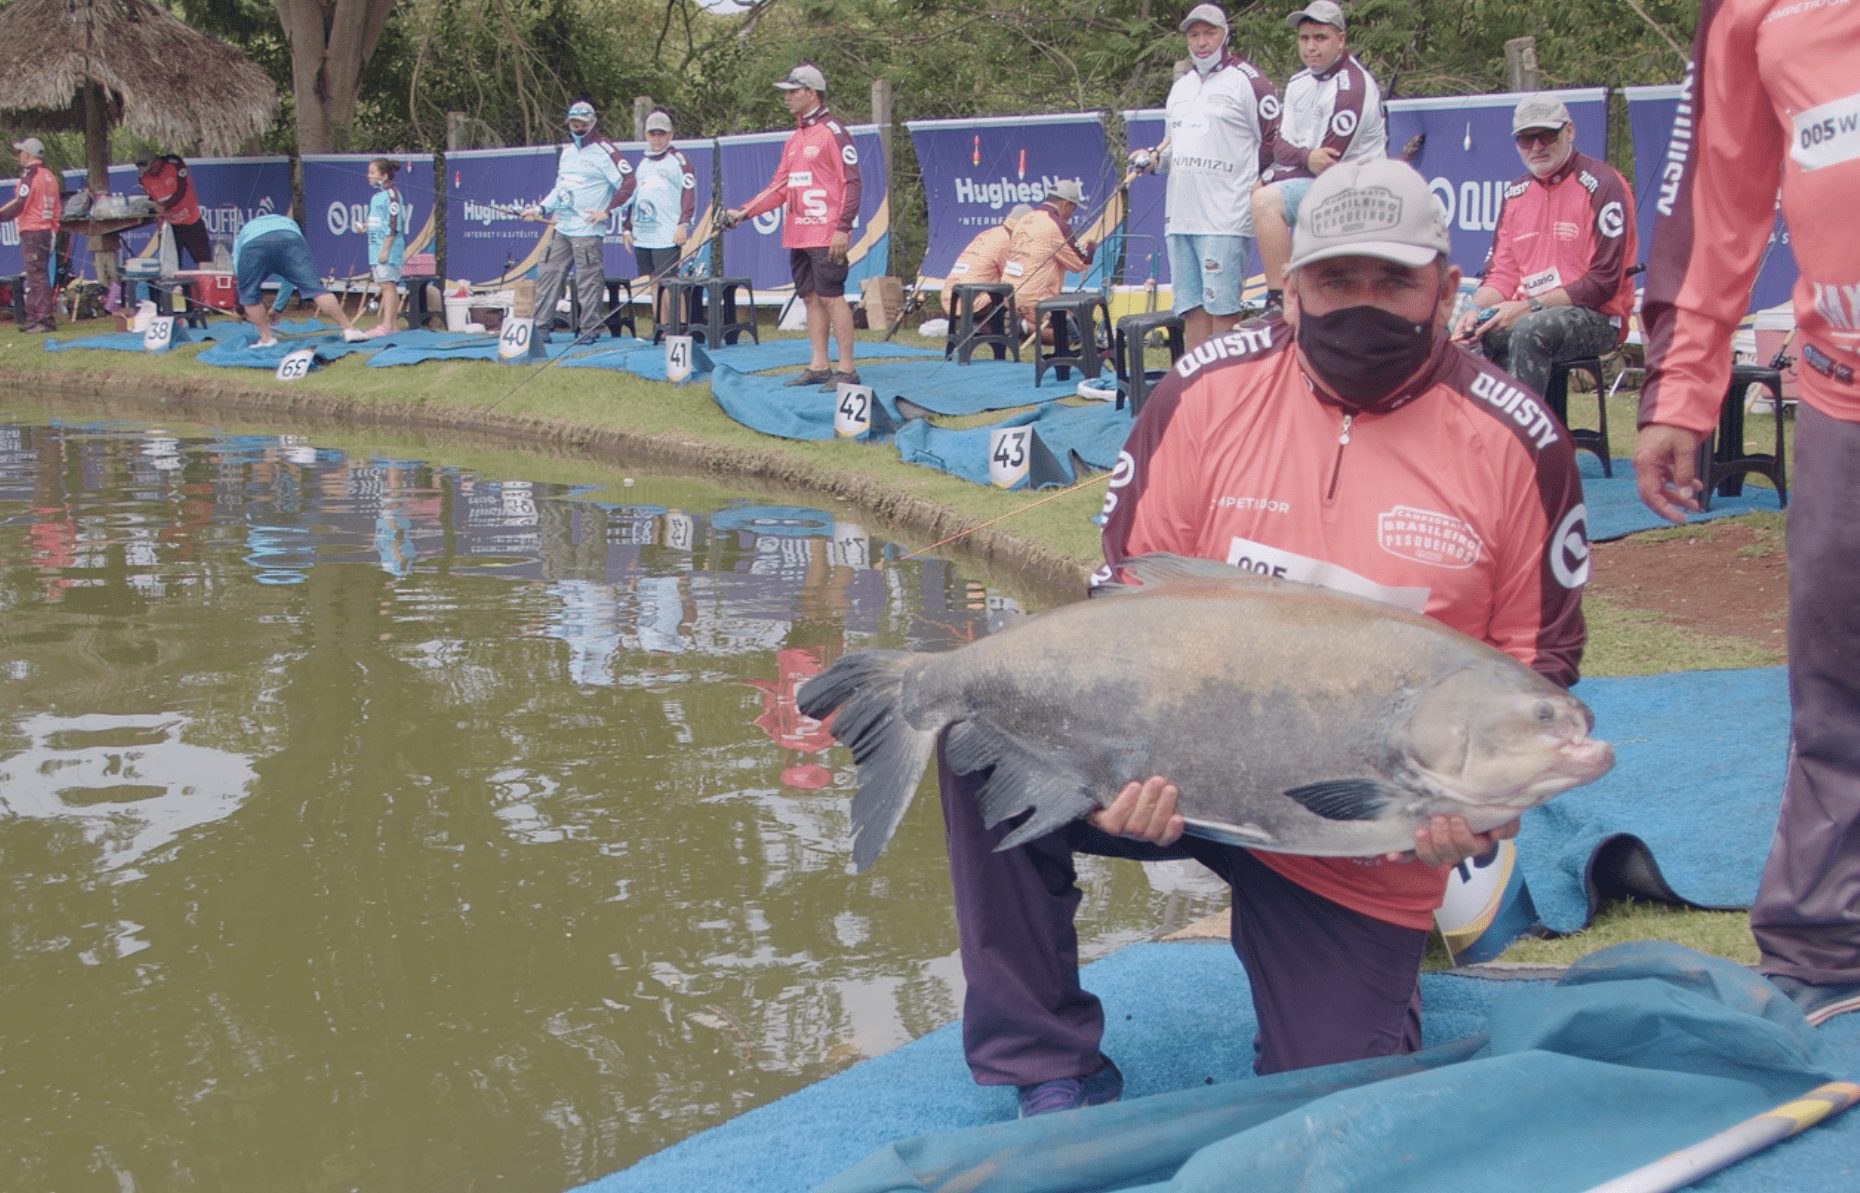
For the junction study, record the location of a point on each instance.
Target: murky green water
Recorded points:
(368, 823)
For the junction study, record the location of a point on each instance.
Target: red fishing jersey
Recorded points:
(36, 203)
(1773, 95)
(818, 179)
(1464, 504)
(1573, 229)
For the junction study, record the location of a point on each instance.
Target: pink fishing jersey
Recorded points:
(1464, 504)
(1573, 230)
(1773, 95)
(818, 179)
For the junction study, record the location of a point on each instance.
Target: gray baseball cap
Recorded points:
(1067, 189)
(1539, 110)
(658, 122)
(1324, 12)
(1210, 14)
(31, 145)
(1370, 207)
(805, 75)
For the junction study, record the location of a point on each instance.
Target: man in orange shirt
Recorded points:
(982, 260)
(1042, 250)
(1320, 448)
(38, 207)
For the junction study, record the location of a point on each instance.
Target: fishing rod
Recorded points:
(587, 336)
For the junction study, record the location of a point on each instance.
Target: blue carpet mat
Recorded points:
(1096, 432)
(112, 341)
(1689, 808)
(748, 356)
(1179, 1018)
(765, 405)
(405, 350)
(1615, 508)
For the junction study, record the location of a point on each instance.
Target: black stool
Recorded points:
(620, 313)
(1721, 461)
(721, 308)
(1127, 341)
(684, 303)
(1556, 395)
(1070, 316)
(162, 291)
(995, 329)
(416, 312)
(16, 285)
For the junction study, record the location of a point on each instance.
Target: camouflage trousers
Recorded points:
(1543, 338)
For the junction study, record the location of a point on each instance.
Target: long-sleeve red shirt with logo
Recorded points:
(35, 202)
(1773, 92)
(1464, 504)
(1573, 229)
(818, 179)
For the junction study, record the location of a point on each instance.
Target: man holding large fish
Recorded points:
(1333, 750)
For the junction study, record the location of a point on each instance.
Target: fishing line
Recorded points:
(587, 336)
(1099, 479)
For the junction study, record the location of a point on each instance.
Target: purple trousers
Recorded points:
(1329, 984)
(1807, 915)
(36, 247)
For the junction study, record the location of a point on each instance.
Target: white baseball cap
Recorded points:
(1371, 207)
(31, 145)
(658, 122)
(1210, 14)
(1324, 12)
(1067, 189)
(805, 75)
(1540, 110)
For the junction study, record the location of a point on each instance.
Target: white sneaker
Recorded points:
(355, 335)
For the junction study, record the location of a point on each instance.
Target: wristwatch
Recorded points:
(1535, 305)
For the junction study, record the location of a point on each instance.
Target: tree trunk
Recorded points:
(330, 42)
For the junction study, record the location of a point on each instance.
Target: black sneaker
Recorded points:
(835, 380)
(1070, 1093)
(1819, 1003)
(809, 377)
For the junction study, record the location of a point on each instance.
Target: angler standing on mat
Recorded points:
(817, 180)
(164, 178)
(658, 222)
(387, 239)
(591, 179)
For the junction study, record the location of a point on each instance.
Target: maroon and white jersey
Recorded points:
(1340, 109)
(818, 179)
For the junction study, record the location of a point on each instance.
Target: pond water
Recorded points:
(373, 823)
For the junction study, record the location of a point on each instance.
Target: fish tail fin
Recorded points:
(863, 692)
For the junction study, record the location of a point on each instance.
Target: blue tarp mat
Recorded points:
(464, 346)
(1688, 810)
(940, 387)
(1615, 508)
(751, 357)
(112, 341)
(1650, 1047)
(1096, 432)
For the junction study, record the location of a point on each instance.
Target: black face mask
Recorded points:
(1365, 354)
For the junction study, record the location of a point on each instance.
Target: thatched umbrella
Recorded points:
(89, 63)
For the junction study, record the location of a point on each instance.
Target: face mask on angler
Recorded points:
(1365, 353)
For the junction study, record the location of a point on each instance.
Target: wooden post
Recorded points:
(642, 108)
(1521, 64)
(458, 131)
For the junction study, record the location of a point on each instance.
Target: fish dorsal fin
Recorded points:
(1346, 799)
(1160, 568)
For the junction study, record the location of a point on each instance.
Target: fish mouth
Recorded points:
(1584, 759)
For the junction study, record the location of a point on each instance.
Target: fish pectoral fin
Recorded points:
(1346, 799)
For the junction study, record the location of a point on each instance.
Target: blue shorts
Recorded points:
(384, 273)
(284, 253)
(1291, 194)
(1207, 272)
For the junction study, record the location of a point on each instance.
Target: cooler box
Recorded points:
(212, 288)
(1772, 328)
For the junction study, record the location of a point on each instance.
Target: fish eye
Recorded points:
(1545, 712)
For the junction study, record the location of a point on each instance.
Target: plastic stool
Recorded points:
(994, 330)
(721, 324)
(1556, 395)
(415, 311)
(162, 291)
(1127, 341)
(1071, 317)
(684, 300)
(1721, 460)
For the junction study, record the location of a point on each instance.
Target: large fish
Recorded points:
(1290, 718)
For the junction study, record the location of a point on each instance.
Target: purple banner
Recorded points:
(1145, 257)
(1650, 123)
(336, 196)
(1468, 157)
(974, 170)
(754, 250)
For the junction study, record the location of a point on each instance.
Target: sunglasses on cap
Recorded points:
(1531, 137)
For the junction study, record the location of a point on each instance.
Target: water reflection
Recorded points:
(367, 823)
